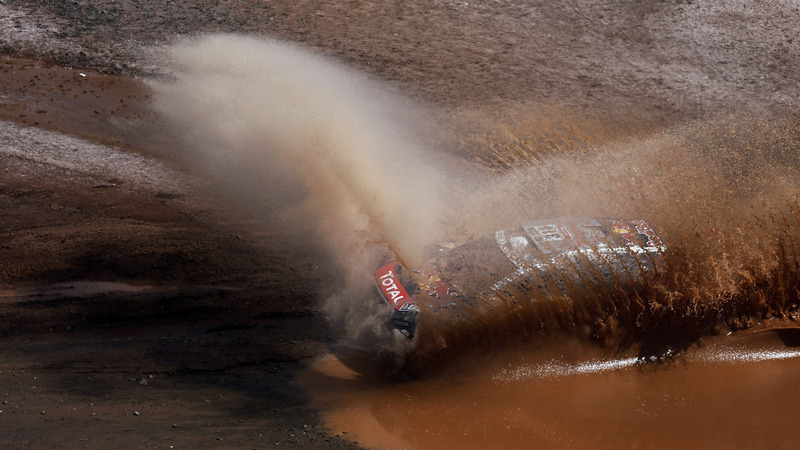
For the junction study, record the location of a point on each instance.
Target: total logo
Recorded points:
(393, 291)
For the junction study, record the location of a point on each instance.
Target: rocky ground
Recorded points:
(139, 308)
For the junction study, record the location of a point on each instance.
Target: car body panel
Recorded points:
(541, 260)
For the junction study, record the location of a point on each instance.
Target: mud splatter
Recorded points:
(722, 194)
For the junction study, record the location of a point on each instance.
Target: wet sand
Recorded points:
(79, 102)
(732, 391)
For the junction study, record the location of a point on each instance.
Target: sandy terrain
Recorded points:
(121, 285)
(141, 307)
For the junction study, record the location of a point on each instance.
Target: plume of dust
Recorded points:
(267, 116)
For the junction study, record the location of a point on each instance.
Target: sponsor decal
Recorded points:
(564, 231)
(518, 243)
(390, 286)
(408, 307)
(433, 286)
(623, 229)
(503, 239)
(547, 238)
(620, 227)
(642, 228)
(575, 232)
(545, 233)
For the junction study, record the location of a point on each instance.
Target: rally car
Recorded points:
(539, 266)
(539, 261)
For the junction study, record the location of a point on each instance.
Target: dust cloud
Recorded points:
(305, 137)
(251, 106)
(299, 135)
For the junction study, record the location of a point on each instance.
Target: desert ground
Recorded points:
(145, 304)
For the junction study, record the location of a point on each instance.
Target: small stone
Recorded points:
(136, 413)
(42, 413)
(143, 382)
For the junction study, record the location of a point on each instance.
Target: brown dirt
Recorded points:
(206, 353)
(196, 297)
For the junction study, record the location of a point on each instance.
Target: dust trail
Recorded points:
(274, 121)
